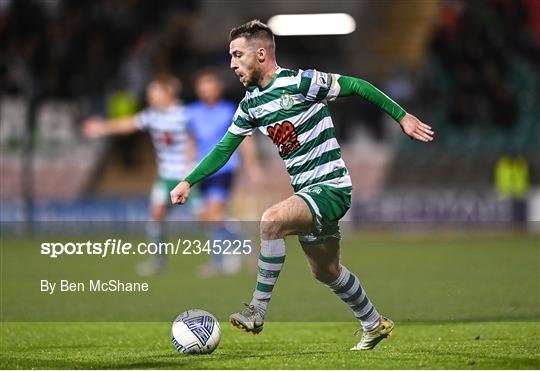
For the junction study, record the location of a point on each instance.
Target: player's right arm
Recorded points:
(95, 127)
(241, 126)
(215, 160)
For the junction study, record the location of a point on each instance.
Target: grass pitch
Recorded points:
(312, 345)
(459, 302)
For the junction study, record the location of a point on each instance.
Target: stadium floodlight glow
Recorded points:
(312, 24)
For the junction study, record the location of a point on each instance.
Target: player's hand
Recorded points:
(93, 128)
(180, 193)
(416, 129)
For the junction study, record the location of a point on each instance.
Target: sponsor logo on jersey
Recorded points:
(284, 136)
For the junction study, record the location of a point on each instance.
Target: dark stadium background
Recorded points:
(470, 69)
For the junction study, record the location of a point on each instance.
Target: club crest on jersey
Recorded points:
(286, 101)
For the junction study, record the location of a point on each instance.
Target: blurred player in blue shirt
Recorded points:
(209, 119)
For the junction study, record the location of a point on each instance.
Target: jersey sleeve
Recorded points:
(216, 159)
(143, 119)
(354, 86)
(318, 86)
(242, 123)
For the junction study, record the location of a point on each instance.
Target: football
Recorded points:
(195, 331)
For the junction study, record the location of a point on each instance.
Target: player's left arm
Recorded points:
(411, 125)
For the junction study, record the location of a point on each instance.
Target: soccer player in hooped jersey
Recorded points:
(291, 107)
(166, 120)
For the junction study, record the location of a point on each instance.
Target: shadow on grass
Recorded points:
(165, 361)
(168, 360)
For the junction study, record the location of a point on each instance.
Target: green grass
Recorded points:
(411, 278)
(444, 290)
(280, 346)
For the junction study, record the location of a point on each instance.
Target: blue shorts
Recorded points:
(217, 187)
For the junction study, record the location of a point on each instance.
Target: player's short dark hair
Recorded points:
(254, 29)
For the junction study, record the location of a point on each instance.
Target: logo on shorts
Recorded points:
(286, 101)
(316, 190)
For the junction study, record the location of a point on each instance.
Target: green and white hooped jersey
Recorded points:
(168, 129)
(292, 110)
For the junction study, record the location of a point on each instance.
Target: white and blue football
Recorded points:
(195, 332)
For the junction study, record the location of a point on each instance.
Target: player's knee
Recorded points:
(271, 225)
